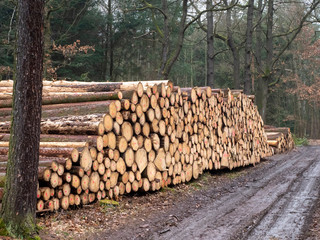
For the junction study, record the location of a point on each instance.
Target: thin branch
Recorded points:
(221, 51)
(290, 32)
(297, 32)
(156, 24)
(208, 10)
(11, 20)
(150, 6)
(55, 9)
(143, 35)
(75, 20)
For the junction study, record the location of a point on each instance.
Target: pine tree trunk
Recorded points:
(234, 49)
(20, 198)
(261, 97)
(165, 40)
(210, 50)
(248, 49)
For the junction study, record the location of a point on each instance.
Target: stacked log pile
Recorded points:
(152, 135)
(280, 139)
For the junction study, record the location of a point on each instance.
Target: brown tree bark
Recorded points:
(248, 49)
(165, 39)
(71, 98)
(234, 49)
(210, 50)
(20, 198)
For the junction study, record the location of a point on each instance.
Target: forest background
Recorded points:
(269, 48)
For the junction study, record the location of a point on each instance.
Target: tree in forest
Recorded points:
(7, 37)
(248, 49)
(210, 45)
(267, 69)
(234, 47)
(303, 82)
(169, 52)
(228, 33)
(19, 202)
(178, 22)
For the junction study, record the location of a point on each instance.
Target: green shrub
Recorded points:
(300, 141)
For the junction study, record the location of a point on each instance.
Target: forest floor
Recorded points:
(276, 199)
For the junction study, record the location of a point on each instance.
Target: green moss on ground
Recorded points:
(3, 229)
(29, 235)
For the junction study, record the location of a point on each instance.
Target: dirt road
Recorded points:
(276, 199)
(274, 204)
(272, 201)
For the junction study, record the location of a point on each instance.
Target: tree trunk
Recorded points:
(260, 99)
(234, 49)
(177, 49)
(210, 50)
(248, 49)
(261, 96)
(259, 43)
(47, 44)
(110, 22)
(269, 39)
(165, 40)
(20, 199)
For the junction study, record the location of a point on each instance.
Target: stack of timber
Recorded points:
(279, 138)
(71, 98)
(152, 135)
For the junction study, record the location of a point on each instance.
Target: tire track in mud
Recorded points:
(288, 217)
(275, 202)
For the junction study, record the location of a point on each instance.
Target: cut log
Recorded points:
(107, 122)
(122, 144)
(73, 98)
(141, 159)
(129, 157)
(127, 131)
(121, 166)
(114, 179)
(144, 102)
(58, 138)
(94, 182)
(150, 171)
(75, 182)
(160, 160)
(85, 159)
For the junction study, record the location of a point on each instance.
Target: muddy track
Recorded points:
(273, 201)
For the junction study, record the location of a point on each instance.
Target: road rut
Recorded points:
(272, 205)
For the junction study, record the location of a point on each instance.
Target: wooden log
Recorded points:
(40, 205)
(72, 98)
(121, 166)
(144, 102)
(127, 131)
(95, 85)
(150, 171)
(75, 181)
(91, 139)
(114, 179)
(160, 160)
(94, 182)
(141, 159)
(273, 143)
(155, 141)
(135, 186)
(65, 110)
(145, 185)
(122, 144)
(85, 159)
